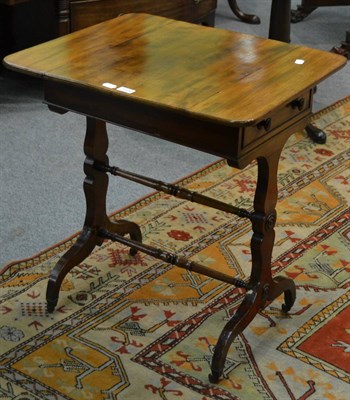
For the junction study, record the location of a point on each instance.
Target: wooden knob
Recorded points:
(298, 103)
(264, 124)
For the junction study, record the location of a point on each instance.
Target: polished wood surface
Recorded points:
(213, 74)
(233, 95)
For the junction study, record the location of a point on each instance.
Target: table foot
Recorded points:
(123, 227)
(214, 377)
(284, 285)
(75, 255)
(83, 247)
(249, 307)
(301, 13)
(248, 18)
(344, 48)
(317, 135)
(51, 305)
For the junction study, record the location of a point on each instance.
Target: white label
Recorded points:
(126, 90)
(109, 85)
(298, 61)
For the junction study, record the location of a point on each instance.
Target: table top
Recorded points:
(233, 78)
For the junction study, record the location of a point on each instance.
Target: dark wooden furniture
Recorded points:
(279, 28)
(77, 14)
(344, 47)
(191, 85)
(13, 2)
(248, 18)
(24, 23)
(308, 6)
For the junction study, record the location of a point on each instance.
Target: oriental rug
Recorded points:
(134, 327)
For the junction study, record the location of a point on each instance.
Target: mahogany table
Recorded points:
(233, 95)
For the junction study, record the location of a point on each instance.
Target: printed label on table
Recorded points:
(109, 85)
(126, 90)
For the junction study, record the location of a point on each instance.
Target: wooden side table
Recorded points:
(233, 95)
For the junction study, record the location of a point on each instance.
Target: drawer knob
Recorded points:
(264, 124)
(298, 103)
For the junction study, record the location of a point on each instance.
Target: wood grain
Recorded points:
(217, 73)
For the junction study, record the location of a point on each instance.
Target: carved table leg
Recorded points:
(123, 227)
(263, 287)
(344, 48)
(248, 18)
(95, 189)
(301, 12)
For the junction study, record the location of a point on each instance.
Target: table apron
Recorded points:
(207, 135)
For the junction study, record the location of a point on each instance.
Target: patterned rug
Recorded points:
(129, 327)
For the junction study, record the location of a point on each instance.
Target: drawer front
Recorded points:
(294, 110)
(87, 13)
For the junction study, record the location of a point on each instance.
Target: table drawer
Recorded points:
(298, 107)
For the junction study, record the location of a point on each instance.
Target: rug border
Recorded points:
(66, 242)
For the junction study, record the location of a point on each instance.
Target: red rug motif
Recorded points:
(129, 327)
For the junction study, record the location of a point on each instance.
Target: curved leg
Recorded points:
(95, 189)
(248, 18)
(75, 255)
(124, 227)
(301, 13)
(262, 242)
(344, 48)
(284, 285)
(240, 320)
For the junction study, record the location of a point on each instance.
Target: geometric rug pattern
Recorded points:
(132, 326)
